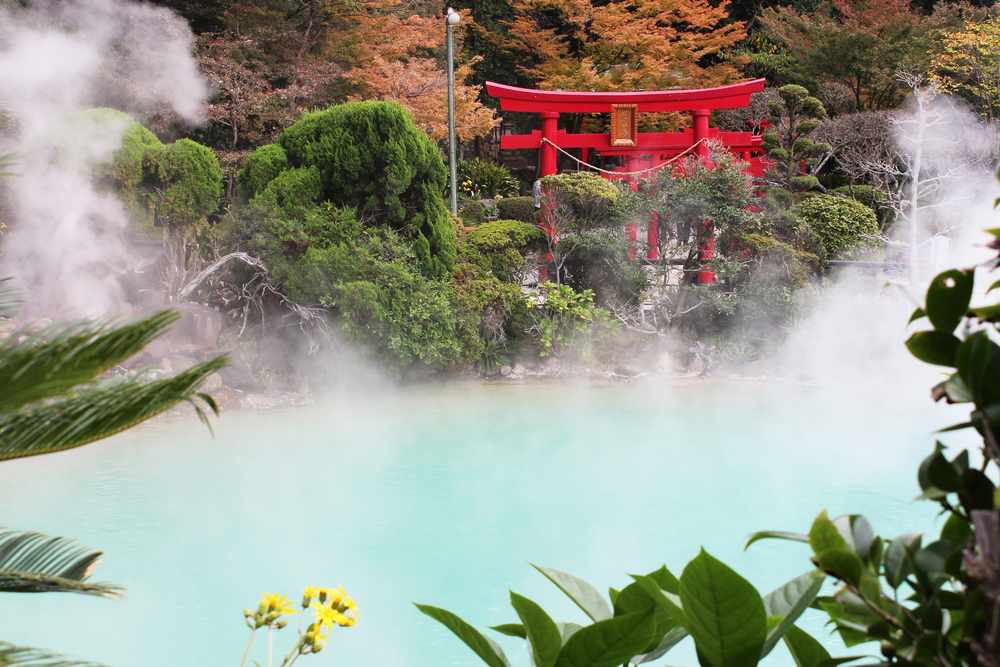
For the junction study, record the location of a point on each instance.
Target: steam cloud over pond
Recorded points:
(56, 59)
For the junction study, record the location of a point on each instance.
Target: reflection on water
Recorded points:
(442, 495)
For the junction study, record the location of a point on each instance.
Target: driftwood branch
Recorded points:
(248, 259)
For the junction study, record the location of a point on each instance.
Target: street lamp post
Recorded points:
(452, 18)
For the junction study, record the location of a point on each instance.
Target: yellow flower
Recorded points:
(277, 603)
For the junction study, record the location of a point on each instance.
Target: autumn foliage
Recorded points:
(640, 45)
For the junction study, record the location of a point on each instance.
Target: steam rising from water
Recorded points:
(57, 58)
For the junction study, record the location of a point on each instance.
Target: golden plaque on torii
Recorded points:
(624, 124)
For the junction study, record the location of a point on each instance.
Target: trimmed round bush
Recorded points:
(472, 212)
(293, 192)
(188, 178)
(518, 208)
(845, 227)
(261, 168)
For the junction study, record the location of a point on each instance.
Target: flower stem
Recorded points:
(270, 645)
(247, 651)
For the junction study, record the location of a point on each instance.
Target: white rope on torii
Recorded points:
(626, 173)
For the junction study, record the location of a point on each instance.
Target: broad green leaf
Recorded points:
(567, 630)
(778, 535)
(917, 314)
(666, 580)
(942, 474)
(608, 643)
(670, 640)
(853, 629)
(824, 535)
(667, 601)
(934, 347)
(986, 313)
(842, 564)
(897, 558)
(725, 613)
(993, 286)
(579, 591)
(957, 390)
(511, 630)
(541, 631)
(481, 645)
(857, 532)
(789, 602)
(948, 298)
(805, 650)
(634, 598)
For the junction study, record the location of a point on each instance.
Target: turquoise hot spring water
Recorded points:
(442, 494)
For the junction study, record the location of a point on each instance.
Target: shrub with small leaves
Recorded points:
(793, 118)
(518, 208)
(846, 228)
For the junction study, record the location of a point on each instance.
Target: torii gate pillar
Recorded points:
(550, 122)
(701, 130)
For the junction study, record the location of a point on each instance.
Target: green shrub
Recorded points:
(480, 179)
(472, 212)
(261, 168)
(293, 192)
(518, 208)
(372, 157)
(187, 181)
(496, 248)
(580, 185)
(844, 226)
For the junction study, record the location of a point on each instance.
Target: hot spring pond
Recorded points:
(442, 495)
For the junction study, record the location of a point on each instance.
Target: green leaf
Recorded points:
(725, 613)
(778, 535)
(986, 313)
(634, 598)
(917, 314)
(789, 602)
(842, 564)
(609, 642)
(542, 633)
(897, 559)
(36, 563)
(664, 600)
(942, 474)
(993, 286)
(482, 645)
(579, 591)
(567, 630)
(511, 630)
(670, 640)
(857, 532)
(934, 347)
(666, 580)
(948, 298)
(824, 535)
(805, 650)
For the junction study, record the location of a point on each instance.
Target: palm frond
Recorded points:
(10, 298)
(37, 657)
(99, 413)
(53, 362)
(35, 563)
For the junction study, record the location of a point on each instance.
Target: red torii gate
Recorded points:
(657, 147)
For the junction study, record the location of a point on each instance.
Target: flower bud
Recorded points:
(282, 623)
(317, 648)
(322, 597)
(247, 612)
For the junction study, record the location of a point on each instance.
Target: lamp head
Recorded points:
(453, 17)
